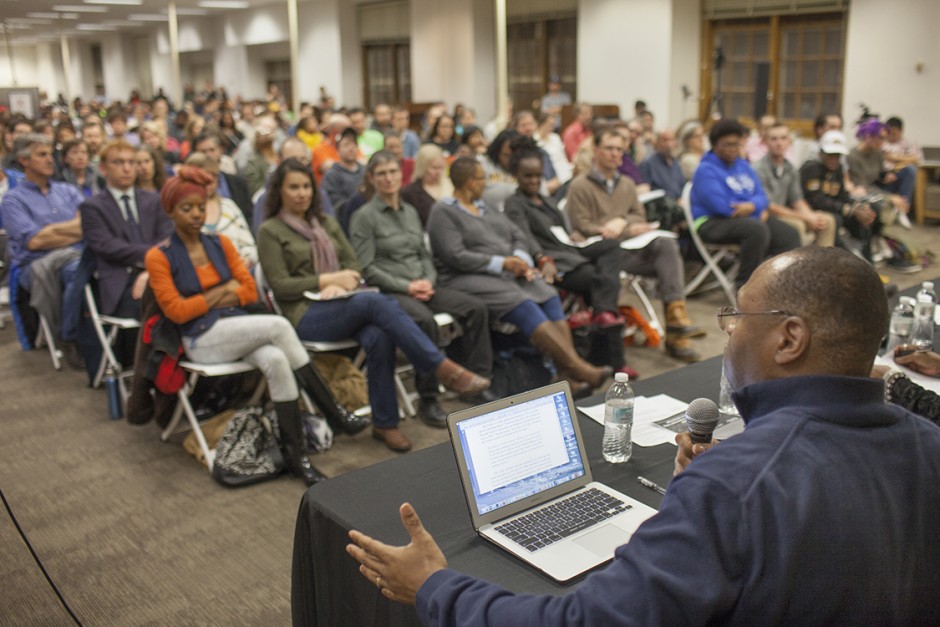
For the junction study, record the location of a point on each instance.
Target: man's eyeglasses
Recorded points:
(728, 317)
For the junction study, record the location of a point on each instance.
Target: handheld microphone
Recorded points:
(702, 418)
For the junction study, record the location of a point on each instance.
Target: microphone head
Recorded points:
(702, 418)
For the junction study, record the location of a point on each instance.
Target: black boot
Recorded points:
(292, 436)
(337, 416)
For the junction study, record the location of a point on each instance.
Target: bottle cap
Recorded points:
(928, 285)
(621, 377)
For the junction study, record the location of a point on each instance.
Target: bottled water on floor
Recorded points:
(618, 420)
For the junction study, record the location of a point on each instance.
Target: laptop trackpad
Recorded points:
(603, 541)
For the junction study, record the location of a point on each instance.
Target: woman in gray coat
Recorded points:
(482, 253)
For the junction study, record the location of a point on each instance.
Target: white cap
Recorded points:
(927, 285)
(621, 377)
(833, 143)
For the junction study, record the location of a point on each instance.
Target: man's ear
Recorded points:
(792, 341)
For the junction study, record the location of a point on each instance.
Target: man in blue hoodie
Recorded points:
(729, 204)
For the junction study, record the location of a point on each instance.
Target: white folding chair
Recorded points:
(107, 329)
(184, 407)
(45, 338)
(634, 282)
(712, 255)
(5, 313)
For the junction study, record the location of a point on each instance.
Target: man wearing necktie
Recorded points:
(120, 223)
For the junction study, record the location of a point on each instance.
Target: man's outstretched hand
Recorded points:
(398, 571)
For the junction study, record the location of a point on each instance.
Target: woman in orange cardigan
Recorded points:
(201, 284)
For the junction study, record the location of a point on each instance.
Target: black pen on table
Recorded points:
(652, 486)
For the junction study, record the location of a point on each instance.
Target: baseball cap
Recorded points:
(833, 142)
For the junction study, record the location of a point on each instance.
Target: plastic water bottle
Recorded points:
(725, 404)
(902, 324)
(618, 420)
(922, 336)
(112, 388)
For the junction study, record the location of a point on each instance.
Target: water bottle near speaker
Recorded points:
(902, 326)
(618, 420)
(922, 335)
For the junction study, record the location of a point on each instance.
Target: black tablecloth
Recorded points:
(327, 588)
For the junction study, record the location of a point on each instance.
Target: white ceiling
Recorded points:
(19, 21)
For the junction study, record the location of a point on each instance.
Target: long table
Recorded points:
(327, 588)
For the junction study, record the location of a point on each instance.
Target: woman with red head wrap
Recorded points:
(201, 284)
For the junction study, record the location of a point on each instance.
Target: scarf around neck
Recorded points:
(322, 249)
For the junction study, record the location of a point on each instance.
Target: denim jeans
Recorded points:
(380, 325)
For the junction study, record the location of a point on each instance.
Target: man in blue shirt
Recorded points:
(823, 511)
(44, 229)
(729, 205)
(661, 169)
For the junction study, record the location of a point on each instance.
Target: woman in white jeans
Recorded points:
(201, 284)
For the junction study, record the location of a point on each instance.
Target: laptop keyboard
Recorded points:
(557, 521)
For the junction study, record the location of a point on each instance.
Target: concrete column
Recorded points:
(450, 63)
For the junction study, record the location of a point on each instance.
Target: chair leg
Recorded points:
(45, 335)
(183, 396)
(650, 310)
(107, 355)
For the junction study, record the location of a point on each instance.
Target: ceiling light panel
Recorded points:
(79, 8)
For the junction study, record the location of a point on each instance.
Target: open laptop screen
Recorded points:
(520, 450)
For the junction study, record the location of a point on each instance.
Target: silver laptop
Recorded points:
(528, 483)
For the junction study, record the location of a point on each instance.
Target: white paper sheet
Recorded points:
(562, 236)
(930, 383)
(642, 241)
(646, 411)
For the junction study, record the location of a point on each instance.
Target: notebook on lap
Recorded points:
(529, 488)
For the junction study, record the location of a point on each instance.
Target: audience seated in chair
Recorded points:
(429, 183)
(223, 217)
(784, 192)
(303, 250)
(867, 168)
(901, 156)
(325, 155)
(343, 179)
(729, 204)
(592, 271)
(401, 124)
(661, 169)
(479, 251)
(691, 147)
(823, 183)
(579, 130)
(119, 225)
(77, 169)
(368, 140)
(44, 228)
(388, 238)
(603, 202)
(202, 286)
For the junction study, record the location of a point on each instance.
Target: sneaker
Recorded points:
(904, 221)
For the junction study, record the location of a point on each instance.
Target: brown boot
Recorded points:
(680, 347)
(679, 323)
(556, 342)
(455, 377)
